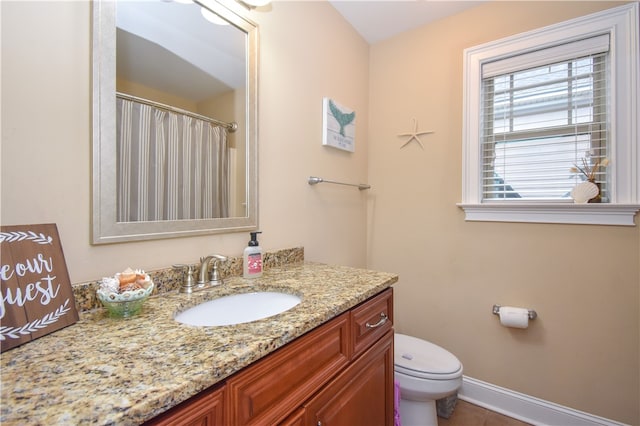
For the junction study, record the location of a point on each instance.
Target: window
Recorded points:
(542, 104)
(541, 121)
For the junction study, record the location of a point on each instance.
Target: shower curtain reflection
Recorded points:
(170, 166)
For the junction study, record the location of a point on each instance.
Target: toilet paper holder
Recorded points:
(532, 314)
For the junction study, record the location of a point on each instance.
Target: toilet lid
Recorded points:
(419, 358)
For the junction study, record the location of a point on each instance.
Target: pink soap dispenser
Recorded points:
(253, 258)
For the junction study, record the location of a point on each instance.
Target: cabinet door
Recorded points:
(206, 409)
(266, 392)
(360, 395)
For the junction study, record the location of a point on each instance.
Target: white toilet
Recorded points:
(425, 372)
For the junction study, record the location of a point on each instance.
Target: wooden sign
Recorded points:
(37, 297)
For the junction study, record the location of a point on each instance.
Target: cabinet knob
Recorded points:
(383, 319)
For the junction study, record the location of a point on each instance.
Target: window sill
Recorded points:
(586, 214)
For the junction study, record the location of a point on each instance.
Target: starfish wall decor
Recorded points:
(414, 135)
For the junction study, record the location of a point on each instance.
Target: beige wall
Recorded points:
(583, 280)
(46, 137)
(153, 94)
(583, 350)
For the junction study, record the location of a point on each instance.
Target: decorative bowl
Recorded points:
(125, 304)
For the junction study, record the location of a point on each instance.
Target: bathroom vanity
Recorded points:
(317, 361)
(341, 370)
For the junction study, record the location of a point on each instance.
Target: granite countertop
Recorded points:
(110, 371)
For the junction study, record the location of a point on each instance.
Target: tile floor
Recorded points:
(466, 414)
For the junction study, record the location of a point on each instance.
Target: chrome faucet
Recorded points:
(214, 278)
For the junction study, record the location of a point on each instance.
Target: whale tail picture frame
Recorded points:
(338, 126)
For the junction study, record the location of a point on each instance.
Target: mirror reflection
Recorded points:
(174, 120)
(177, 111)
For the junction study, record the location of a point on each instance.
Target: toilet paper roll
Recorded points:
(514, 317)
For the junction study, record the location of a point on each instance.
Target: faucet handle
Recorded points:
(188, 282)
(215, 278)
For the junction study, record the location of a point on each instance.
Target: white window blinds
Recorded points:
(544, 113)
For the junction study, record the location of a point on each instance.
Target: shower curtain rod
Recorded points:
(231, 127)
(313, 180)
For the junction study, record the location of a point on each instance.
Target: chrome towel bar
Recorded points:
(313, 180)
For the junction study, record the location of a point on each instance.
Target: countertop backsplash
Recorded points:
(170, 279)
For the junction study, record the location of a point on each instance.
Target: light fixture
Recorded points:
(257, 3)
(250, 4)
(212, 17)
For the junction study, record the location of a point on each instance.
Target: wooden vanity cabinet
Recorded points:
(362, 394)
(340, 373)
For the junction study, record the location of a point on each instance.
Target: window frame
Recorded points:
(621, 23)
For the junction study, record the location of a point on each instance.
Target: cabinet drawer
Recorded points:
(275, 386)
(371, 320)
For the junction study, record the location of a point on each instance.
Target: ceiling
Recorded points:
(377, 20)
(168, 45)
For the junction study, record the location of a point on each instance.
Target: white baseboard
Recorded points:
(524, 407)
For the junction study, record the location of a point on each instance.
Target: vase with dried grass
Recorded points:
(588, 191)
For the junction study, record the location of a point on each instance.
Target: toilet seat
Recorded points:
(419, 358)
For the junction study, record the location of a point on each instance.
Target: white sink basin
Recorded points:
(238, 308)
